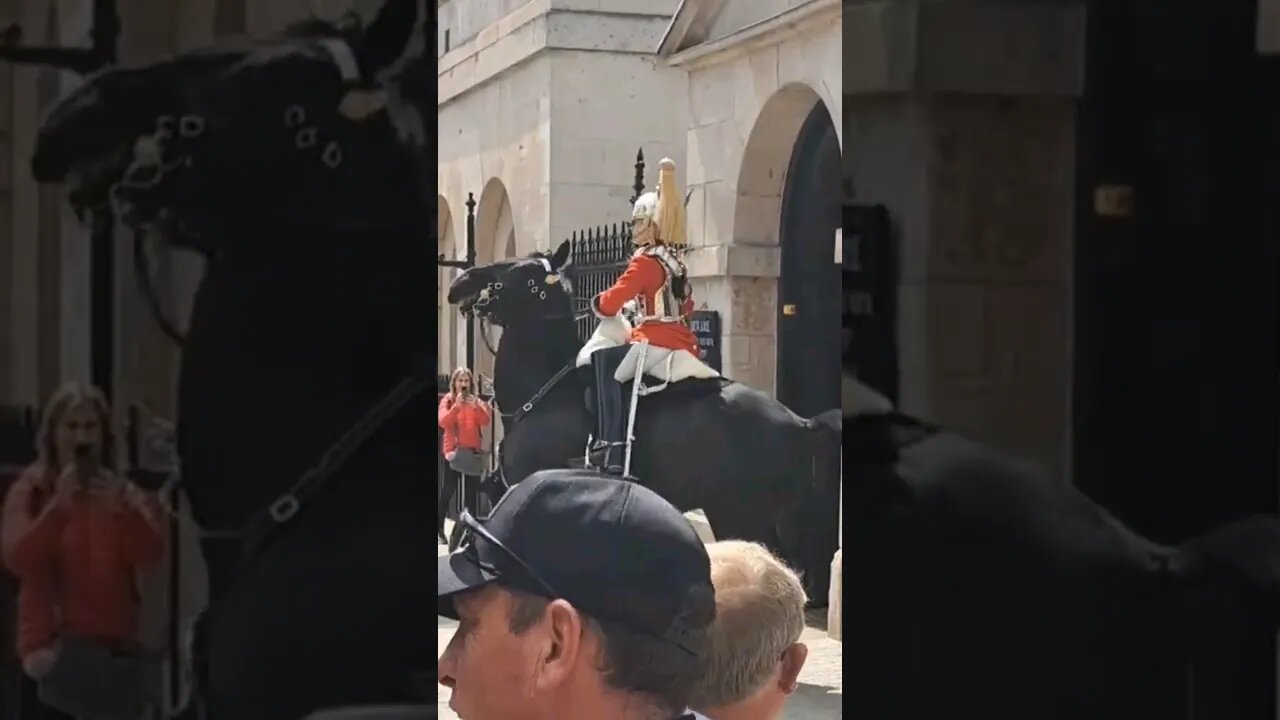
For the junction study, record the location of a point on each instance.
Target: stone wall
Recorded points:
(746, 106)
(977, 168)
(553, 100)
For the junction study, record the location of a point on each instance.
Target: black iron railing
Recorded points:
(599, 256)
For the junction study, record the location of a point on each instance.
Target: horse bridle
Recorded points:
(487, 296)
(492, 291)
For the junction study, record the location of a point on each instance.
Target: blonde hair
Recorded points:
(759, 614)
(63, 400)
(453, 379)
(670, 214)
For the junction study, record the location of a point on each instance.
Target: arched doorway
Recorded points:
(789, 195)
(809, 285)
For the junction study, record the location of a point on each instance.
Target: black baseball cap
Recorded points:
(615, 550)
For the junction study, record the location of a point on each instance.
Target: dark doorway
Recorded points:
(809, 285)
(1176, 308)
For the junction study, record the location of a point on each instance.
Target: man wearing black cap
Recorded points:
(582, 597)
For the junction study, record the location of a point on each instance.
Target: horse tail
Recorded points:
(832, 420)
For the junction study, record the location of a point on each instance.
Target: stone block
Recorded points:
(711, 95)
(737, 351)
(879, 46)
(835, 599)
(757, 218)
(1000, 189)
(708, 161)
(696, 216)
(755, 80)
(721, 200)
(753, 261)
(959, 330)
(1001, 48)
(616, 32)
(754, 306)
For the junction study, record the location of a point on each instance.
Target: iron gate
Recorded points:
(599, 256)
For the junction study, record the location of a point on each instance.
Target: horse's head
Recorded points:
(511, 293)
(308, 129)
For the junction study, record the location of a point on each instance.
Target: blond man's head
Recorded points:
(755, 654)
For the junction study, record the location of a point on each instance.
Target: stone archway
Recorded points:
(767, 160)
(762, 176)
(447, 357)
(495, 240)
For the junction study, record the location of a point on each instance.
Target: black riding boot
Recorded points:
(608, 452)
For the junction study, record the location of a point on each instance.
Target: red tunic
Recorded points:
(644, 277)
(463, 424)
(76, 561)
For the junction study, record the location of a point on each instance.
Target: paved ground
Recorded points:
(821, 689)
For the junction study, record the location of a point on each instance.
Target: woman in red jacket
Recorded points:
(75, 533)
(463, 418)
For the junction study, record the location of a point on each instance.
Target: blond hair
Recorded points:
(759, 614)
(64, 399)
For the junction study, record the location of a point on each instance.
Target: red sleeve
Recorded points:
(643, 275)
(140, 525)
(30, 543)
(448, 411)
(484, 413)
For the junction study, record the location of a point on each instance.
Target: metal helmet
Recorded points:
(664, 207)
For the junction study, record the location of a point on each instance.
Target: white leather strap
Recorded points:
(343, 57)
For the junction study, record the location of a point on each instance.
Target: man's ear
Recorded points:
(564, 640)
(792, 663)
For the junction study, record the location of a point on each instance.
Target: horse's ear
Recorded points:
(561, 257)
(388, 36)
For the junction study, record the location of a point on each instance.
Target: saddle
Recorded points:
(688, 389)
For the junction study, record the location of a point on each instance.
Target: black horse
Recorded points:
(979, 587)
(750, 463)
(295, 167)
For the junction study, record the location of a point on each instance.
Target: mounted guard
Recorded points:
(656, 284)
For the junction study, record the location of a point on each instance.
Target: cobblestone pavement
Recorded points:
(821, 688)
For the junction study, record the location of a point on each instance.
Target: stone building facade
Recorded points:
(542, 107)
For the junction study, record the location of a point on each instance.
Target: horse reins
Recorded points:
(487, 296)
